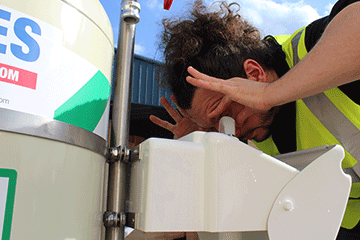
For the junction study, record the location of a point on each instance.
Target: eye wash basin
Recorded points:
(213, 183)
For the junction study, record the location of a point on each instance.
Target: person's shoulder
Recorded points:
(339, 6)
(315, 29)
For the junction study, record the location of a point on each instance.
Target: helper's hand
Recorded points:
(184, 125)
(246, 92)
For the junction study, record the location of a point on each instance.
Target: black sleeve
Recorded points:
(314, 31)
(316, 28)
(312, 35)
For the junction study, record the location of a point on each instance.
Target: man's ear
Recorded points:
(254, 71)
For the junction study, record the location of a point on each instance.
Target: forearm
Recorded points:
(332, 62)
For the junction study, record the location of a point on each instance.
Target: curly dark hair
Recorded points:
(215, 43)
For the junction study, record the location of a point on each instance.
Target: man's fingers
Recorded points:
(172, 112)
(173, 98)
(202, 80)
(198, 75)
(162, 123)
(214, 85)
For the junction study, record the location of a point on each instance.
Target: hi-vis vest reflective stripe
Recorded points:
(324, 119)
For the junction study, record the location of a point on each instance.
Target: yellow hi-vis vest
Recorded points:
(327, 118)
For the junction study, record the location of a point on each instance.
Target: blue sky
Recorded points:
(271, 16)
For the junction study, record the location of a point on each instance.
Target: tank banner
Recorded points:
(41, 77)
(17, 76)
(7, 197)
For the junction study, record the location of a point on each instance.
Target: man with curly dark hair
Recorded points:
(215, 43)
(285, 93)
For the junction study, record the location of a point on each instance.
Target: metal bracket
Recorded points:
(113, 219)
(125, 154)
(118, 154)
(135, 154)
(130, 220)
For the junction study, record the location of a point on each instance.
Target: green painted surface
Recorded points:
(86, 107)
(11, 174)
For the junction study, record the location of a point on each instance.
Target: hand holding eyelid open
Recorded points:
(243, 91)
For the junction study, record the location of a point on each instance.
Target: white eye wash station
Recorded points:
(61, 179)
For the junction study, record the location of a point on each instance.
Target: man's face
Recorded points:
(207, 111)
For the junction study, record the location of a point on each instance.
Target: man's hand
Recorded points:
(246, 92)
(184, 124)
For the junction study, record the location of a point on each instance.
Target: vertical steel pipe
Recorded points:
(121, 113)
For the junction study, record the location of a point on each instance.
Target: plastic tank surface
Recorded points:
(55, 69)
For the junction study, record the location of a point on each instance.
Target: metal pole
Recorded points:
(121, 116)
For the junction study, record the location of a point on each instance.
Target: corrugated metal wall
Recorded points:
(145, 88)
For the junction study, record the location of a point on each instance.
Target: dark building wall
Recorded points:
(145, 99)
(145, 88)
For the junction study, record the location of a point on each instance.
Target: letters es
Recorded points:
(33, 52)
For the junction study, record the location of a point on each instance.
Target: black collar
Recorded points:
(283, 128)
(280, 65)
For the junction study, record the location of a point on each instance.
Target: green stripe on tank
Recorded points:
(11, 174)
(86, 107)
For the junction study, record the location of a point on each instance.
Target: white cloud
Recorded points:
(328, 8)
(139, 49)
(276, 18)
(154, 4)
